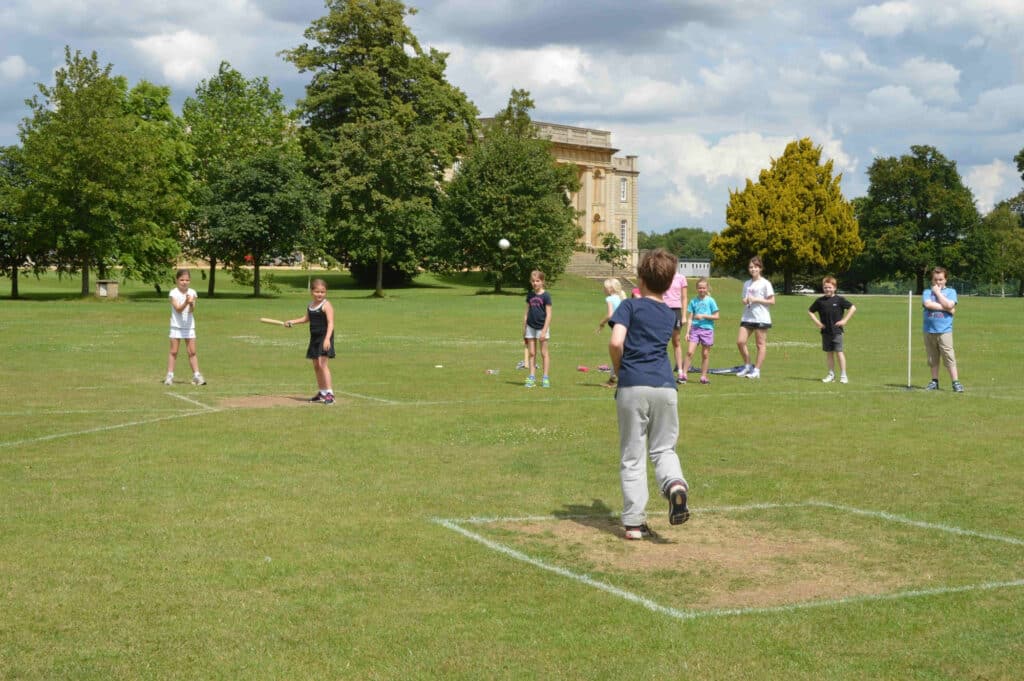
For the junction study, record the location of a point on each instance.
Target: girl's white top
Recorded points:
(185, 319)
(762, 288)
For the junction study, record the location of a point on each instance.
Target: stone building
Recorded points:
(608, 195)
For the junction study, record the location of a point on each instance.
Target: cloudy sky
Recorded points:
(705, 92)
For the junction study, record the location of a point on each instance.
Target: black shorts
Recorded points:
(679, 317)
(832, 342)
(756, 325)
(316, 348)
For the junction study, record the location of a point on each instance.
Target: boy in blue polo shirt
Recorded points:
(939, 304)
(646, 399)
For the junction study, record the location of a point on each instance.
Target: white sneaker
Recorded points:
(198, 380)
(844, 379)
(754, 373)
(169, 380)
(828, 379)
(747, 368)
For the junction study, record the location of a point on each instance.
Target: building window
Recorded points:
(624, 232)
(623, 190)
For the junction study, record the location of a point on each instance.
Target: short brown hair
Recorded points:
(940, 270)
(656, 270)
(829, 280)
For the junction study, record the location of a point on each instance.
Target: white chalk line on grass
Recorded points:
(100, 429)
(919, 523)
(584, 579)
(456, 526)
(191, 401)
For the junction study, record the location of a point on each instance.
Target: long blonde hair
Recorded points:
(616, 287)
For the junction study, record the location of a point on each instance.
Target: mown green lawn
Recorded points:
(443, 522)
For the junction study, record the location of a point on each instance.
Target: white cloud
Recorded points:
(888, 19)
(560, 66)
(13, 68)
(1000, 108)
(184, 57)
(933, 80)
(992, 182)
(999, 20)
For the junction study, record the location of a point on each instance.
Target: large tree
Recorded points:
(915, 216)
(266, 206)
(102, 177)
(230, 119)
(23, 245)
(794, 217)
(382, 125)
(995, 250)
(510, 187)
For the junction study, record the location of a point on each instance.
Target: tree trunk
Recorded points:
(379, 292)
(85, 278)
(14, 281)
(213, 277)
(256, 277)
(920, 283)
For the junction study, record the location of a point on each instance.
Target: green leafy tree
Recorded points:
(23, 245)
(794, 217)
(382, 125)
(612, 252)
(230, 119)
(266, 206)
(101, 176)
(684, 242)
(160, 198)
(509, 186)
(995, 250)
(915, 216)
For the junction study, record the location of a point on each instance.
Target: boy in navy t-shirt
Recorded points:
(646, 399)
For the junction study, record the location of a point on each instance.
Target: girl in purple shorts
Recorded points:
(701, 314)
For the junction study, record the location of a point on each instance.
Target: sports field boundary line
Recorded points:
(102, 429)
(191, 401)
(456, 525)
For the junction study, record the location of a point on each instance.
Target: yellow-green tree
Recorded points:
(794, 217)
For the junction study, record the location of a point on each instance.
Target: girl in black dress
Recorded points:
(320, 316)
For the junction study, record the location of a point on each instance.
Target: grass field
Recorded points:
(440, 522)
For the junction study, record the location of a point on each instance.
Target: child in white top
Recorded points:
(183, 326)
(758, 294)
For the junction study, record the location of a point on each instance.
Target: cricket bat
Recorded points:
(268, 320)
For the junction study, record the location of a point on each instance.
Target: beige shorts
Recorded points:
(531, 333)
(940, 344)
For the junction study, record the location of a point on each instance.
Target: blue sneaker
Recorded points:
(958, 387)
(545, 382)
(531, 382)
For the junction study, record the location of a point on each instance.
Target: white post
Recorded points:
(910, 316)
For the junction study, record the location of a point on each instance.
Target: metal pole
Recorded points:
(910, 315)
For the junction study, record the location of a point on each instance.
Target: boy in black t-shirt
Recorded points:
(834, 312)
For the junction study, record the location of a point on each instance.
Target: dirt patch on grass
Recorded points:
(266, 401)
(715, 561)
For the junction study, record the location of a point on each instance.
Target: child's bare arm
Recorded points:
(302, 320)
(329, 313)
(616, 346)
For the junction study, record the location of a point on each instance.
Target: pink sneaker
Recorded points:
(704, 380)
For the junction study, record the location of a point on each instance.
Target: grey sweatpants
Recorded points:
(648, 426)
